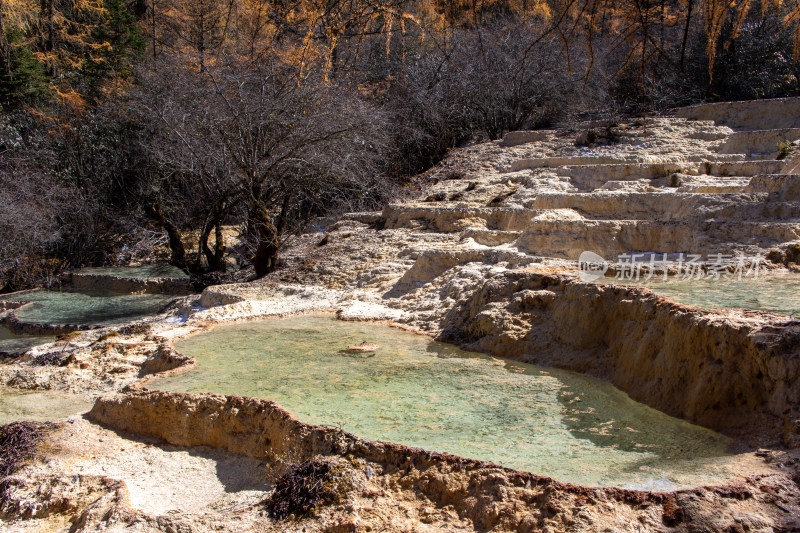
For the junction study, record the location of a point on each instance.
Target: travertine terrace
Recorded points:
(483, 256)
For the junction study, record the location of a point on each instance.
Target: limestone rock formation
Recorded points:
(489, 262)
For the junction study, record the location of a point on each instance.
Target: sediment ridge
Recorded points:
(492, 497)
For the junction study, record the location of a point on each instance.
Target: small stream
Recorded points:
(140, 272)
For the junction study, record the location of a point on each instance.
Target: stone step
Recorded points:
(758, 144)
(742, 168)
(365, 217)
(782, 187)
(715, 185)
(432, 240)
(493, 226)
(456, 218)
(774, 211)
(609, 238)
(628, 186)
(749, 115)
(433, 263)
(633, 205)
(515, 138)
(592, 177)
(489, 237)
(617, 159)
(668, 206)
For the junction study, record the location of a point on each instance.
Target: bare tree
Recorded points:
(507, 77)
(297, 148)
(183, 180)
(38, 214)
(252, 144)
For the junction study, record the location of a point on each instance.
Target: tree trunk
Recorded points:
(47, 16)
(266, 256)
(214, 259)
(48, 10)
(153, 29)
(686, 32)
(201, 45)
(140, 9)
(178, 257)
(202, 245)
(219, 248)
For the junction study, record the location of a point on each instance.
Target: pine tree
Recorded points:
(23, 79)
(117, 40)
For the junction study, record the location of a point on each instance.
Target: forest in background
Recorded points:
(127, 125)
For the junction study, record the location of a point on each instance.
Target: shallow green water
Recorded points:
(11, 343)
(99, 308)
(423, 393)
(39, 406)
(779, 293)
(143, 272)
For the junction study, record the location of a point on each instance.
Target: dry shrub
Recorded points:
(51, 359)
(307, 486)
(17, 442)
(135, 329)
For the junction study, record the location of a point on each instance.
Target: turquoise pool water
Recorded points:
(13, 344)
(779, 293)
(143, 272)
(418, 392)
(97, 308)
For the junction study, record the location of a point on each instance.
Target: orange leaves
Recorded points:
(19, 13)
(72, 100)
(716, 15)
(792, 18)
(94, 7)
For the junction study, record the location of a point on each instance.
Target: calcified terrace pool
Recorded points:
(10, 343)
(96, 308)
(779, 293)
(418, 392)
(39, 406)
(141, 272)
